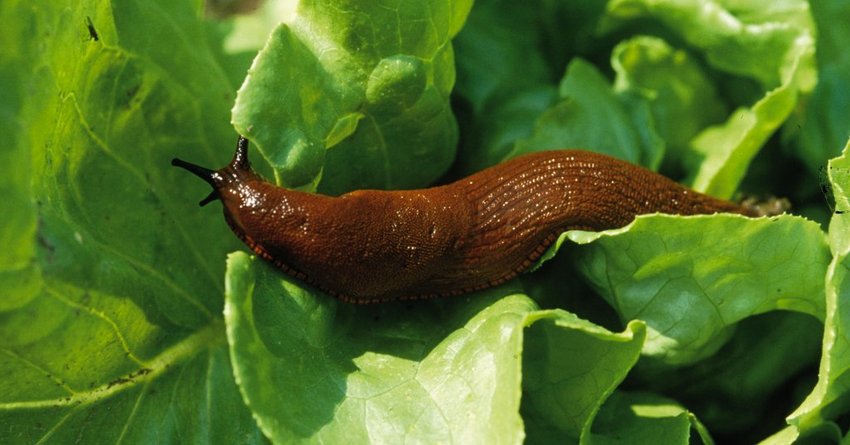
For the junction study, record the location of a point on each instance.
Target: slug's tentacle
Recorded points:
(217, 179)
(371, 245)
(240, 157)
(201, 172)
(210, 176)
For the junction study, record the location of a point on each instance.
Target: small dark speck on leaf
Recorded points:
(129, 378)
(118, 381)
(42, 241)
(131, 92)
(92, 32)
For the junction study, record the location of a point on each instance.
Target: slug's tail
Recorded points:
(218, 178)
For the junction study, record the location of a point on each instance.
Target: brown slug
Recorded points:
(372, 245)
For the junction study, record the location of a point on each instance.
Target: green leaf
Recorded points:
(20, 273)
(155, 399)
(591, 116)
(509, 60)
(745, 390)
(681, 97)
(370, 81)
(749, 38)
(645, 418)
(503, 79)
(421, 372)
(431, 373)
(829, 397)
(690, 281)
(772, 42)
(570, 367)
(822, 127)
(109, 329)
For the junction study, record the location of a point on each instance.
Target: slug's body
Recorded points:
(371, 245)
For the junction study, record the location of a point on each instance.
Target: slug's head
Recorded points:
(235, 173)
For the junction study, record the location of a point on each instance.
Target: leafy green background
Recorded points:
(130, 315)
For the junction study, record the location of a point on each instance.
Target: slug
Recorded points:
(371, 246)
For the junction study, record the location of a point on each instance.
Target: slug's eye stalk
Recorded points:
(215, 178)
(240, 158)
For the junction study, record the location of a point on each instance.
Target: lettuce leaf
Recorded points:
(690, 281)
(829, 395)
(348, 84)
(109, 322)
(448, 372)
(819, 131)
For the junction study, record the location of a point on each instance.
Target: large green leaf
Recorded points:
(20, 273)
(355, 95)
(109, 323)
(829, 397)
(689, 280)
(420, 372)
